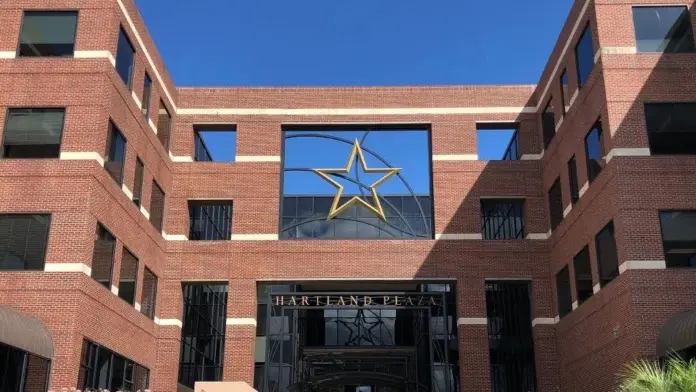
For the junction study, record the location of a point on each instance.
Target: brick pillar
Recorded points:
(474, 362)
(544, 335)
(169, 312)
(240, 335)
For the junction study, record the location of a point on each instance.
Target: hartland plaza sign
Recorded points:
(357, 300)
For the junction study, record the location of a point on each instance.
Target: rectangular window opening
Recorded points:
(23, 241)
(48, 34)
(157, 200)
(125, 58)
(565, 94)
(149, 298)
(138, 182)
(33, 133)
(679, 238)
(594, 151)
(663, 29)
(503, 219)
(671, 128)
(147, 92)
(555, 204)
(583, 275)
(164, 125)
(607, 256)
(565, 301)
(497, 141)
(573, 180)
(548, 123)
(103, 257)
(210, 220)
(115, 153)
(128, 280)
(584, 56)
(101, 368)
(215, 143)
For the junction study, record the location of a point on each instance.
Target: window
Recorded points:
(215, 143)
(128, 278)
(512, 152)
(48, 34)
(23, 240)
(510, 339)
(584, 56)
(115, 154)
(203, 333)
(147, 91)
(583, 275)
(125, 59)
(210, 221)
(679, 238)
(573, 181)
(502, 219)
(102, 368)
(548, 123)
(138, 182)
(671, 127)
(22, 371)
(149, 294)
(164, 124)
(33, 133)
(594, 152)
(157, 206)
(606, 255)
(555, 204)
(565, 301)
(496, 141)
(103, 258)
(663, 29)
(564, 92)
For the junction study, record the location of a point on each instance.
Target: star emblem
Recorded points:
(377, 207)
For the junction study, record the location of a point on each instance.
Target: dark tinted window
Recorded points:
(555, 204)
(149, 294)
(33, 133)
(210, 220)
(49, 33)
(103, 258)
(583, 275)
(128, 278)
(125, 58)
(573, 180)
(157, 206)
(594, 151)
(502, 219)
(164, 124)
(548, 123)
(16, 372)
(102, 368)
(565, 301)
(663, 29)
(564, 91)
(138, 182)
(23, 240)
(147, 92)
(203, 333)
(607, 257)
(679, 238)
(115, 154)
(671, 127)
(584, 56)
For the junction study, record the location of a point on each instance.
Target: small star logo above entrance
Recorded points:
(377, 207)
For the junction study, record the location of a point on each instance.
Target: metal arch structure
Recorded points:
(361, 186)
(295, 364)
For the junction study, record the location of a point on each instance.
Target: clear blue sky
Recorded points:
(358, 42)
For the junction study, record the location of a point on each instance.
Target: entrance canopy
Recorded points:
(677, 334)
(25, 333)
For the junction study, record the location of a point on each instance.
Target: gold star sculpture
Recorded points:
(377, 207)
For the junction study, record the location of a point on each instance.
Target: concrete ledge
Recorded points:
(575, 305)
(458, 236)
(81, 156)
(531, 157)
(567, 210)
(176, 237)
(127, 191)
(114, 289)
(619, 50)
(642, 264)
(145, 212)
(584, 189)
(355, 111)
(137, 306)
(8, 54)
(627, 152)
(222, 386)
(543, 321)
(169, 322)
(152, 125)
(68, 267)
(180, 158)
(596, 288)
(472, 321)
(537, 236)
(455, 157)
(95, 54)
(257, 158)
(254, 237)
(240, 321)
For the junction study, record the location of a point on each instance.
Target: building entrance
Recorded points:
(367, 341)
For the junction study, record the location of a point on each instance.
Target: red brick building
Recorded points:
(129, 260)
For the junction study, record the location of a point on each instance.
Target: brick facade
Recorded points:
(581, 352)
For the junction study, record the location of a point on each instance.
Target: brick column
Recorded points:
(240, 334)
(169, 308)
(544, 335)
(474, 362)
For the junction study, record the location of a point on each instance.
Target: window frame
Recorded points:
(146, 103)
(170, 119)
(549, 105)
(568, 291)
(45, 10)
(505, 201)
(156, 185)
(553, 225)
(115, 130)
(602, 282)
(48, 216)
(686, 10)
(662, 238)
(192, 204)
(573, 181)
(124, 252)
(131, 76)
(139, 200)
(580, 300)
(564, 74)
(588, 28)
(591, 175)
(154, 298)
(651, 135)
(7, 118)
(91, 374)
(113, 256)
